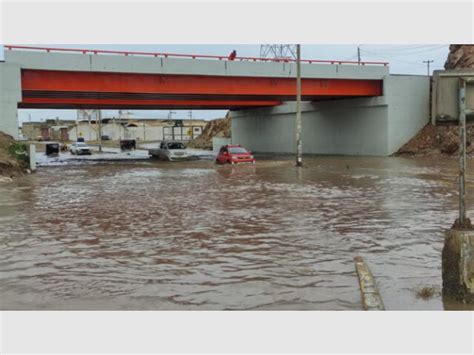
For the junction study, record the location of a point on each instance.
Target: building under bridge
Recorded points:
(114, 129)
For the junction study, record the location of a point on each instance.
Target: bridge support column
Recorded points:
(10, 95)
(9, 118)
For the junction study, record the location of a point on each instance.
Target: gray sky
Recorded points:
(403, 59)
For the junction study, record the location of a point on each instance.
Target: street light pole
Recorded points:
(299, 148)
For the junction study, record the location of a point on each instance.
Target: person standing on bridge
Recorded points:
(232, 55)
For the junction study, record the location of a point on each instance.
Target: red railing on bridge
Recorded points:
(190, 56)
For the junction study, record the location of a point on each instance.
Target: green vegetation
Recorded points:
(19, 151)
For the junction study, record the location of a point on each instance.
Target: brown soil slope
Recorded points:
(461, 56)
(444, 139)
(214, 128)
(9, 165)
(433, 140)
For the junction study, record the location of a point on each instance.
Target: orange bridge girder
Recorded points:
(73, 89)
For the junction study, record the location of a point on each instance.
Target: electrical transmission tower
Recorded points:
(87, 115)
(283, 51)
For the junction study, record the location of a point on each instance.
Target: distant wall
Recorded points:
(117, 131)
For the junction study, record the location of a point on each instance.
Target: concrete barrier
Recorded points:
(32, 156)
(458, 264)
(371, 299)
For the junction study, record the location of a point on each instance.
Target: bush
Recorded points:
(19, 151)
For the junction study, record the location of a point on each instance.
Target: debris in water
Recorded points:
(427, 292)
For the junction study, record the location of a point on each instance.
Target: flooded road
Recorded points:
(192, 235)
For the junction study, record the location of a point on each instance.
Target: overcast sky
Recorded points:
(403, 59)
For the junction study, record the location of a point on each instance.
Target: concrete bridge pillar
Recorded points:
(458, 264)
(10, 95)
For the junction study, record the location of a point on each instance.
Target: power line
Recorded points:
(418, 52)
(406, 53)
(411, 48)
(390, 58)
(350, 58)
(428, 65)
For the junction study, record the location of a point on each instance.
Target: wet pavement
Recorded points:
(192, 235)
(109, 154)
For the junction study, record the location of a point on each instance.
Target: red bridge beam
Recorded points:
(77, 103)
(206, 87)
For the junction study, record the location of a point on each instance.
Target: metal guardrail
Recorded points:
(190, 56)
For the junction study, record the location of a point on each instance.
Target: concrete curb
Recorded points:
(371, 299)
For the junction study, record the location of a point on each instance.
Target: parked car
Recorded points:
(232, 154)
(80, 148)
(52, 149)
(171, 151)
(128, 144)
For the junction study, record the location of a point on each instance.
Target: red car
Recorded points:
(231, 154)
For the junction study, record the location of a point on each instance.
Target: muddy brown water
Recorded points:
(192, 235)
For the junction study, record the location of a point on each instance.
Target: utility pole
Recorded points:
(358, 55)
(90, 125)
(462, 152)
(99, 117)
(192, 128)
(427, 62)
(170, 115)
(299, 148)
(115, 125)
(77, 124)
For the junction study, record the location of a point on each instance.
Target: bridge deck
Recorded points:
(101, 79)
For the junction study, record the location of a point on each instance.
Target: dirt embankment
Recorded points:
(432, 140)
(461, 56)
(13, 158)
(215, 128)
(444, 139)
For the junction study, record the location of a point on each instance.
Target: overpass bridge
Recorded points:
(35, 77)
(74, 78)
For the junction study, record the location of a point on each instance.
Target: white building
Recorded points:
(139, 129)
